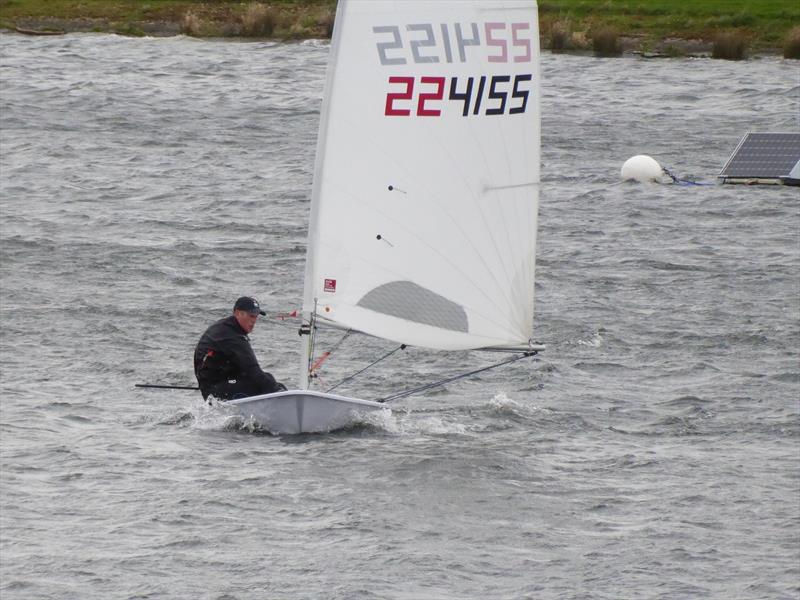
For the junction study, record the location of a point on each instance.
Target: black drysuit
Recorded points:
(225, 365)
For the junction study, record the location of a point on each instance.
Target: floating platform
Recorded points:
(764, 158)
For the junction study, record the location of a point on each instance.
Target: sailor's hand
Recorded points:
(279, 387)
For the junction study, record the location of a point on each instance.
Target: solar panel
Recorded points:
(795, 172)
(768, 156)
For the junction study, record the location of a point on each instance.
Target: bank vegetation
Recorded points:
(722, 28)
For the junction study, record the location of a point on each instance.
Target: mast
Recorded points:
(308, 314)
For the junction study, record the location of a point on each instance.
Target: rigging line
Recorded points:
(166, 387)
(327, 354)
(454, 378)
(312, 330)
(283, 323)
(339, 343)
(346, 379)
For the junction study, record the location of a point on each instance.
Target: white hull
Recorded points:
(303, 411)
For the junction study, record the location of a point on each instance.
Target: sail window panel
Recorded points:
(409, 301)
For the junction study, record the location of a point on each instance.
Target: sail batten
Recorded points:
(425, 199)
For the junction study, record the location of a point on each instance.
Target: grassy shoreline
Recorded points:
(670, 27)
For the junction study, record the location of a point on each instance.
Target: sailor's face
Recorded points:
(247, 321)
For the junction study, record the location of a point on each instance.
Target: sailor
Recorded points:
(224, 362)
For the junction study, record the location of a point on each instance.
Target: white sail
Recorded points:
(425, 196)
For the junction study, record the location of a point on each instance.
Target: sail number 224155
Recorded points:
(496, 95)
(457, 43)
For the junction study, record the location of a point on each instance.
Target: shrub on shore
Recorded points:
(674, 51)
(605, 42)
(326, 21)
(559, 36)
(191, 24)
(791, 49)
(258, 20)
(729, 46)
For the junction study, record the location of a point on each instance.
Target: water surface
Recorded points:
(651, 452)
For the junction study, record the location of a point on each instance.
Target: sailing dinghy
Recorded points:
(425, 195)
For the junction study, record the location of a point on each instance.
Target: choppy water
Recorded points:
(652, 452)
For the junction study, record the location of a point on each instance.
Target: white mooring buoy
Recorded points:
(642, 168)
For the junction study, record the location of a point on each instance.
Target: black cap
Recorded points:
(248, 304)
